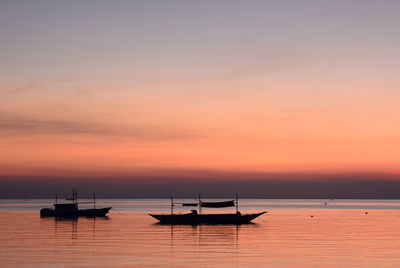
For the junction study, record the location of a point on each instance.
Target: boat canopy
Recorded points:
(189, 204)
(222, 204)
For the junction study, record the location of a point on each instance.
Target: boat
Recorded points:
(197, 217)
(72, 210)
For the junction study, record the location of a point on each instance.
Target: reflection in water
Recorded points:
(283, 238)
(194, 241)
(70, 225)
(205, 234)
(62, 224)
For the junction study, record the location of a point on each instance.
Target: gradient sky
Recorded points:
(139, 88)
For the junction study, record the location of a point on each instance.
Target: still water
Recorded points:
(294, 233)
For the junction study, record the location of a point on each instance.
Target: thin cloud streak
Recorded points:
(21, 89)
(40, 87)
(16, 125)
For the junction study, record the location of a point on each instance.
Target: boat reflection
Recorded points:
(204, 243)
(206, 234)
(64, 226)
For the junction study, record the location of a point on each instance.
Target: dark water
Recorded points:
(340, 234)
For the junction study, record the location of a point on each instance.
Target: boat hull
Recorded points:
(194, 218)
(95, 212)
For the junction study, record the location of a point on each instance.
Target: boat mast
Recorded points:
(172, 204)
(199, 204)
(237, 204)
(74, 196)
(56, 198)
(94, 200)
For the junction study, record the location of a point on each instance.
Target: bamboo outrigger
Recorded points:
(197, 217)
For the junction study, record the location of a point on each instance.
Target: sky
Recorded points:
(200, 91)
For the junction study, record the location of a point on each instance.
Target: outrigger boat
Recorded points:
(71, 210)
(197, 217)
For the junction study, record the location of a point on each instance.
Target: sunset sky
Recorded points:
(138, 89)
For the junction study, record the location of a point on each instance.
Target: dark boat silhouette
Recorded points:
(71, 210)
(197, 217)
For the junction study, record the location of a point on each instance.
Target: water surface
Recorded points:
(294, 233)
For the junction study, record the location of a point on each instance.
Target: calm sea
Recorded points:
(294, 233)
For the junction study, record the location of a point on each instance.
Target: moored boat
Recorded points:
(72, 210)
(197, 217)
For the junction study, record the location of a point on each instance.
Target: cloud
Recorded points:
(67, 86)
(18, 125)
(22, 89)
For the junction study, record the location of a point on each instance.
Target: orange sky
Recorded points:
(116, 94)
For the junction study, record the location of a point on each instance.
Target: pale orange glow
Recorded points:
(308, 103)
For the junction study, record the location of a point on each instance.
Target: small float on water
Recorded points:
(197, 217)
(71, 210)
